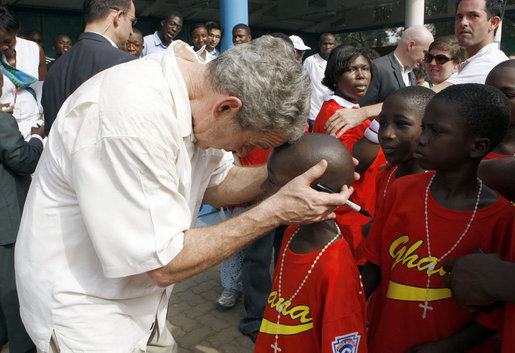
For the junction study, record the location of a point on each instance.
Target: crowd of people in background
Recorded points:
(426, 265)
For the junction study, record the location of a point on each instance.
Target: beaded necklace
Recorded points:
(433, 263)
(388, 181)
(274, 346)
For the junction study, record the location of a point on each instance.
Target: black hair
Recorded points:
(242, 26)
(137, 31)
(282, 36)
(214, 25)
(339, 60)
(197, 25)
(415, 97)
(485, 110)
(325, 35)
(9, 22)
(497, 70)
(493, 8)
(173, 13)
(94, 10)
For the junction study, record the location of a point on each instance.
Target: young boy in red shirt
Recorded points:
(348, 74)
(317, 302)
(399, 128)
(431, 217)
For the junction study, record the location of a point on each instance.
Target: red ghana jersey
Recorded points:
(384, 180)
(350, 221)
(397, 243)
(328, 312)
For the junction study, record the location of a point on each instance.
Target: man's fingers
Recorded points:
(315, 172)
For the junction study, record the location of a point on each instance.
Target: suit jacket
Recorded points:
(386, 79)
(18, 160)
(90, 55)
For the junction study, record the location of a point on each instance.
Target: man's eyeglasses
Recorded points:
(134, 20)
(439, 58)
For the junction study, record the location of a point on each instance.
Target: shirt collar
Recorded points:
(405, 71)
(158, 42)
(109, 39)
(343, 102)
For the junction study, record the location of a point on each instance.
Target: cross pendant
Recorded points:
(425, 306)
(275, 347)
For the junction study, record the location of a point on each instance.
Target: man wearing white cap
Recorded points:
(299, 46)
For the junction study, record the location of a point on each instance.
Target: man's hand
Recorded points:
(298, 203)
(471, 279)
(38, 130)
(345, 119)
(8, 108)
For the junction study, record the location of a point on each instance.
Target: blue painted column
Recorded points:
(232, 12)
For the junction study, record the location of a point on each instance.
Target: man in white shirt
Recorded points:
(475, 24)
(171, 26)
(107, 227)
(315, 66)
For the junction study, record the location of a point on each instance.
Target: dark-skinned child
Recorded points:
(429, 218)
(317, 302)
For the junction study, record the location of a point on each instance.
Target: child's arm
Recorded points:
(462, 341)
(365, 152)
(371, 278)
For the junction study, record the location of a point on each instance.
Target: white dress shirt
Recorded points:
(119, 182)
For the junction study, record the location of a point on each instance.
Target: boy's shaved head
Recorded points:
(500, 69)
(416, 98)
(290, 160)
(485, 110)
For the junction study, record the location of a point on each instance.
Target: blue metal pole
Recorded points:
(232, 12)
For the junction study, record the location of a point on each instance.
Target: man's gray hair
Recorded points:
(272, 86)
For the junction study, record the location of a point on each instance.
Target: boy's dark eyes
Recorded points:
(402, 123)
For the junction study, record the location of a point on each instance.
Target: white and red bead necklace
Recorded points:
(433, 264)
(274, 346)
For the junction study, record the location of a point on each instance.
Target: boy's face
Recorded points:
(277, 174)
(214, 37)
(443, 144)
(199, 37)
(353, 83)
(399, 129)
(240, 36)
(504, 80)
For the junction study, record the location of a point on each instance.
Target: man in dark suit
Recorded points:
(108, 27)
(393, 71)
(18, 159)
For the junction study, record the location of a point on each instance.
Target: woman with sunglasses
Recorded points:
(443, 59)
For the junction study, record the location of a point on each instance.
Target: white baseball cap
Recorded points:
(298, 43)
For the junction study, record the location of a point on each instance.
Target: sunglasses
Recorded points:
(439, 58)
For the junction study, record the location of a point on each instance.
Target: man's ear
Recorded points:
(230, 104)
(163, 23)
(494, 22)
(411, 44)
(480, 147)
(117, 19)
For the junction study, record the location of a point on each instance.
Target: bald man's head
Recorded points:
(414, 42)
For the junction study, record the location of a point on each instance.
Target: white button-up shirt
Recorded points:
(315, 66)
(476, 68)
(119, 182)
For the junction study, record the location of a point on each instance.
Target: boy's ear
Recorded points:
(480, 147)
(230, 104)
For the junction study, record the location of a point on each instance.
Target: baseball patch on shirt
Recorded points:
(346, 344)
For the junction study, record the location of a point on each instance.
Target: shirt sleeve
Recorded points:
(127, 190)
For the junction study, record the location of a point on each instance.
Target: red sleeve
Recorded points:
(328, 109)
(348, 332)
